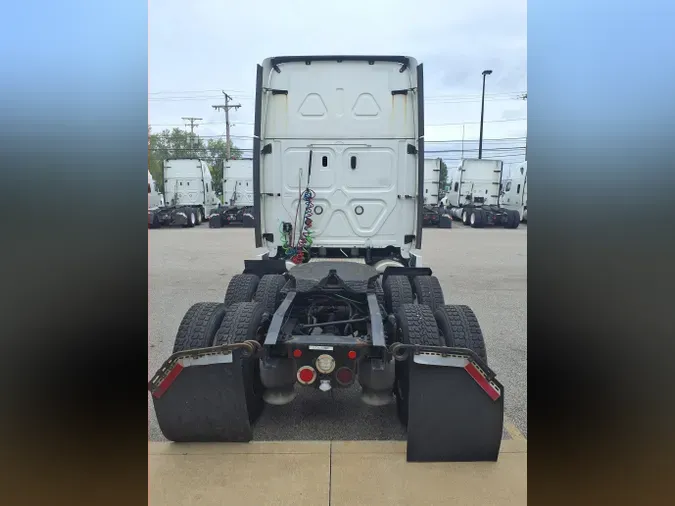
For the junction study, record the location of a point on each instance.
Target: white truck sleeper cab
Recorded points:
(190, 196)
(338, 166)
(237, 205)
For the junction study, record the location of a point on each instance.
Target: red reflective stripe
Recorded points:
(166, 382)
(482, 382)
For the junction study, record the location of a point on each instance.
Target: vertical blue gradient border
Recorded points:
(73, 261)
(601, 235)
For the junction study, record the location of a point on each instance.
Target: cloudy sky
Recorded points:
(198, 49)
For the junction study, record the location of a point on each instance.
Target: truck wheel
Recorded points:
(191, 218)
(198, 217)
(268, 293)
(465, 217)
(397, 291)
(241, 288)
(515, 219)
(243, 323)
(477, 218)
(199, 326)
(459, 328)
(428, 291)
(415, 325)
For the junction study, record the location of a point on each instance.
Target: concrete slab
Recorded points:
(387, 479)
(325, 472)
(219, 474)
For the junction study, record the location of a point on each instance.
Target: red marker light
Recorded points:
(352, 354)
(306, 375)
(297, 353)
(344, 375)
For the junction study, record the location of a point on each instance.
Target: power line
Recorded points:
(444, 98)
(426, 125)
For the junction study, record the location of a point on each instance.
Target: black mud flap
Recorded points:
(456, 409)
(202, 397)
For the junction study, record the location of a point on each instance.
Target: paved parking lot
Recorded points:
(483, 268)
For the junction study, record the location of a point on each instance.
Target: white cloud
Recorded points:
(213, 45)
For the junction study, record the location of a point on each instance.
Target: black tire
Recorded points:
(191, 218)
(269, 291)
(416, 325)
(397, 291)
(155, 222)
(459, 328)
(515, 220)
(198, 217)
(508, 220)
(242, 323)
(476, 218)
(465, 219)
(241, 288)
(428, 291)
(199, 326)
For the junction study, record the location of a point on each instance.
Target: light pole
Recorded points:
(482, 111)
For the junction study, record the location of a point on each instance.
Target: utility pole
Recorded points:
(227, 108)
(192, 131)
(482, 111)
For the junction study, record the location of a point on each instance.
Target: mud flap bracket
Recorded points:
(456, 408)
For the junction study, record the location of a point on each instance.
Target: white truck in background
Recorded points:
(474, 195)
(155, 198)
(514, 191)
(237, 195)
(189, 194)
(432, 181)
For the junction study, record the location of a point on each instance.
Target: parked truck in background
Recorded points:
(155, 198)
(237, 204)
(474, 195)
(514, 191)
(189, 194)
(432, 180)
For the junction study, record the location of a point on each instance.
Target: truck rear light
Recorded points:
(297, 353)
(325, 364)
(351, 354)
(306, 375)
(344, 375)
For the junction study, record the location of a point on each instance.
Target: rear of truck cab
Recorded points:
(361, 119)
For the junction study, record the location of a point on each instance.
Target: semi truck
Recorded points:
(474, 195)
(189, 194)
(336, 295)
(432, 180)
(514, 191)
(155, 198)
(237, 207)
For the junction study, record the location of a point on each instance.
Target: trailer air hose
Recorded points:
(305, 239)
